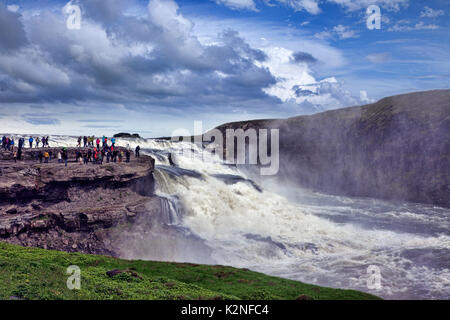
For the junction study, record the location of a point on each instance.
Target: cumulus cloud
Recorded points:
(296, 86)
(364, 97)
(137, 60)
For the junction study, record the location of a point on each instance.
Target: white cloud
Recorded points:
(298, 88)
(238, 4)
(364, 97)
(431, 13)
(288, 74)
(310, 6)
(340, 31)
(206, 30)
(353, 5)
(13, 7)
(345, 32)
(405, 25)
(324, 35)
(164, 13)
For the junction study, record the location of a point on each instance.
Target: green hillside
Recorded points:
(31, 273)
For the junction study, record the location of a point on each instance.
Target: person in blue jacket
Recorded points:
(31, 142)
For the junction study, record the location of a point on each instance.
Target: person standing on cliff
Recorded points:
(37, 141)
(137, 151)
(79, 142)
(19, 151)
(46, 156)
(65, 156)
(31, 142)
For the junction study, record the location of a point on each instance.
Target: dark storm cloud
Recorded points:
(12, 34)
(146, 62)
(304, 57)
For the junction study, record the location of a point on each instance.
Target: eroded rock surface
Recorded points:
(73, 208)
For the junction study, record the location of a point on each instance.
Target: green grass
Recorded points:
(32, 273)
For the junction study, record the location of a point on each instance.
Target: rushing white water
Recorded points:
(297, 234)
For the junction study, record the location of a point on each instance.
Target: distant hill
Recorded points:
(397, 148)
(126, 135)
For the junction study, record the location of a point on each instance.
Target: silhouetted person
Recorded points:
(137, 151)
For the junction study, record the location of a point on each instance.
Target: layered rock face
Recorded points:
(395, 149)
(73, 208)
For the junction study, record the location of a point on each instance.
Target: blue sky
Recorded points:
(156, 66)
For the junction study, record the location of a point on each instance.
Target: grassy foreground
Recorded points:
(31, 273)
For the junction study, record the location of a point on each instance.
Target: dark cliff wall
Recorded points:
(397, 148)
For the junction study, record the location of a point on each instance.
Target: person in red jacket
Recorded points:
(98, 143)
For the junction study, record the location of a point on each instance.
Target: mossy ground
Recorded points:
(31, 273)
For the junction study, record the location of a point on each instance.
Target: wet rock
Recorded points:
(11, 211)
(115, 272)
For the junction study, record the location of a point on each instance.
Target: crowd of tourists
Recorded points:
(89, 150)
